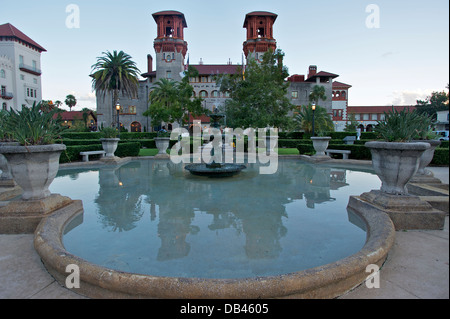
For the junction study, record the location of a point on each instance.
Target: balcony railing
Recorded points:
(29, 69)
(6, 95)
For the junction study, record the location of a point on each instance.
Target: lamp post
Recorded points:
(313, 119)
(118, 119)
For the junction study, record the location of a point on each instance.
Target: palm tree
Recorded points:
(115, 73)
(163, 99)
(322, 119)
(70, 101)
(317, 93)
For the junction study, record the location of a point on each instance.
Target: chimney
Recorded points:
(149, 63)
(312, 70)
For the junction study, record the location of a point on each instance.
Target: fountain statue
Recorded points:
(214, 169)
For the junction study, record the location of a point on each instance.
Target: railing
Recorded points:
(30, 69)
(6, 95)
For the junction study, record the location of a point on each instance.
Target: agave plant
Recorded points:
(400, 126)
(109, 132)
(32, 125)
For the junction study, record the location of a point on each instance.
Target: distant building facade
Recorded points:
(170, 55)
(20, 69)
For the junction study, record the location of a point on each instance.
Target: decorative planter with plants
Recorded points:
(425, 134)
(162, 142)
(34, 161)
(396, 159)
(110, 140)
(320, 143)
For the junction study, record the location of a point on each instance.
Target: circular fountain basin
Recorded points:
(203, 244)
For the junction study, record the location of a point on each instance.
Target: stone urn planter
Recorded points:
(162, 144)
(395, 163)
(109, 146)
(320, 144)
(5, 176)
(427, 156)
(33, 167)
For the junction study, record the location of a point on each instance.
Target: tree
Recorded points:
(351, 124)
(70, 101)
(115, 73)
(258, 99)
(317, 93)
(322, 120)
(172, 101)
(438, 101)
(85, 116)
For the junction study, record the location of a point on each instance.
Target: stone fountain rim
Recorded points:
(327, 281)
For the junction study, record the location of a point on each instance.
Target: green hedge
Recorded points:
(97, 135)
(441, 156)
(72, 153)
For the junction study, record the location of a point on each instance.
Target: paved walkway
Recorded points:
(417, 267)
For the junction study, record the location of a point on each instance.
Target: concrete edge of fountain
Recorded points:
(327, 281)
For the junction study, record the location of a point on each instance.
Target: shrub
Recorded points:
(72, 153)
(441, 156)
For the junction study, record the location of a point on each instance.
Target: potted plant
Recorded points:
(34, 160)
(162, 141)
(320, 143)
(109, 140)
(424, 133)
(396, 159)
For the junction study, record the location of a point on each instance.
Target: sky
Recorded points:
(391, 52)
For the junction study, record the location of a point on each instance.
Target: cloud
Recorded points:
(407, 97)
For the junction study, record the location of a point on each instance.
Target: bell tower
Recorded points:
(169, 44)
(259, 25)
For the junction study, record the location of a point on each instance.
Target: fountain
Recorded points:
(214, 169)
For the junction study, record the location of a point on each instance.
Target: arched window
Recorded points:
(215, 93)
(203, 94)
(136, 127)
(5, 107)
(2, 74)
(343, 94)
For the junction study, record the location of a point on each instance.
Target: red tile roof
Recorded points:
(203, 118)
(341, 85)
(170, 13)
(72, 115)
(261, 14)
(378, 109)
(8, 30)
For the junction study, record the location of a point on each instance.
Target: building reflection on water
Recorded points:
(249, 204)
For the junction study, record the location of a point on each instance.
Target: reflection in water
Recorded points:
(246, 225)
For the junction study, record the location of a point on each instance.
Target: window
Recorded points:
(34, 65)
(4, 107)
(365, 117)
(295, 94)
(215, 94)
(22, 77)
(227, 94)
(382, 117)
(203, 94)
(357, 117)
(21, 59)
(168, 74)
(28, 92)
(204, 79)
(35, 81)
(132, 109)
(3, 90)
(2, 74)
(374, 117)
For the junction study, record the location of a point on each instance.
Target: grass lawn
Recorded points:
(281, 151)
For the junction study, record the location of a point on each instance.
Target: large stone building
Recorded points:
(170, 57)
(20, 69)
